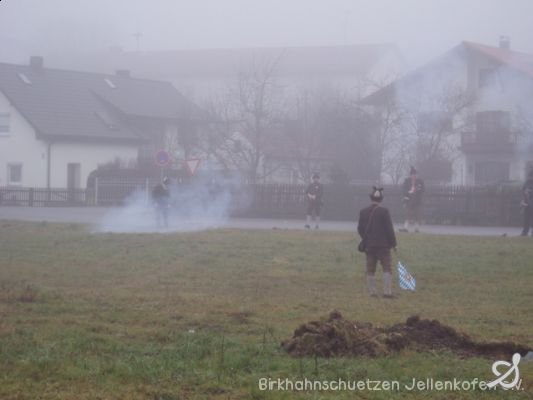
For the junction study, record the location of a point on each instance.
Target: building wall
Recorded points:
(507, 91)
(510, 92)
(20, 146)
(89, 156)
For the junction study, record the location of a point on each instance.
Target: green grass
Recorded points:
(201, 315)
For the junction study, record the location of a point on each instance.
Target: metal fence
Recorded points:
(37, 197)
(494, 205)
(459, 205)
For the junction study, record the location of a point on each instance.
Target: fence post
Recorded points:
(96, 191)
(30, 198)
(147, 189)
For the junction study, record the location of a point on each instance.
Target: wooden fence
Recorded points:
(490, 205)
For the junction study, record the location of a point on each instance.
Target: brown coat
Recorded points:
(380, 232)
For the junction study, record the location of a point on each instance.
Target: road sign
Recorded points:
(192, 165)
(162, 158)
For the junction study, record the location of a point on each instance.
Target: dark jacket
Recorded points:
(415, 196)
(380, 232)
(315, 189)
(160, 194)
(527, 189)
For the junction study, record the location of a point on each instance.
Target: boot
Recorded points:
(371, 285)
(387, 285)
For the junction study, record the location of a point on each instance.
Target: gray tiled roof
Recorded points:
(70, 104)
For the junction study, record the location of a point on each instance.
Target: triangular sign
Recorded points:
(192, 165)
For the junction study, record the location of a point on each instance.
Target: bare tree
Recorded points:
(419, 126)
(246, 117)
(303, 136)
(329, 133)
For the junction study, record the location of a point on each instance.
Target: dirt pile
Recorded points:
(339, 337)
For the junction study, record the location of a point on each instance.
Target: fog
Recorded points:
(421, 29)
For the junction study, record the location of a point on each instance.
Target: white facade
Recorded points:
(20, 150)
(510, 93)
(88, 156)
(490, 138)
(19, 146)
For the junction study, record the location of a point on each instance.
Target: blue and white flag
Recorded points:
(407, 281)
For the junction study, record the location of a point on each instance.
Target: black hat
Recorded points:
(316, 176)
(413, 171)
(377, 194)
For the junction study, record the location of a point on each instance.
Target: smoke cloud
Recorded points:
(205, 203)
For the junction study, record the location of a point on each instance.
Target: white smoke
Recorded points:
(204, 203)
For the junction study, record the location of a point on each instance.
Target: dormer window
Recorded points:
(24, 78)
(107, 120)
(110, 83)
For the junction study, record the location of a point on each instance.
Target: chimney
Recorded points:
(36, 63)
(505, 43)
(124, 73)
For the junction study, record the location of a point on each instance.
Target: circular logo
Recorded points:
(162, 158)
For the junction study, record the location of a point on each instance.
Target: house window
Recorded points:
(24, 78)
(487, 77)
(434, 121)
(491, 172)
(14, 174)
(4, 124)
(493, 125)
(110, 83)
(529, 167)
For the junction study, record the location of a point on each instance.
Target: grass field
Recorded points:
(202, 315)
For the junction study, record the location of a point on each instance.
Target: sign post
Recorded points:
(162, 159)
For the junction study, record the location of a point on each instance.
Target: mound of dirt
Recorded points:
(339, 337)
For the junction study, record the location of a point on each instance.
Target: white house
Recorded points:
(57, 126)
(472, 107)
(210, 75)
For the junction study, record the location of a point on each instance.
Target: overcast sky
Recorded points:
(422, 29)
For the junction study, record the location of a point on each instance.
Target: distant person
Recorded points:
(413, 192)
(377, 232)
(314, 193)
(161, 198)
(527, 204)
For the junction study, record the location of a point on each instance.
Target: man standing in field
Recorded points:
(161, 197)
(314, 193)
(413, 190)
(376, 230)
(527, 204)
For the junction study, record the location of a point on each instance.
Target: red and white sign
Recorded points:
(192, 165)
(162, 158)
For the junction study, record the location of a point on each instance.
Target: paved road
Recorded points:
(99, 218)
